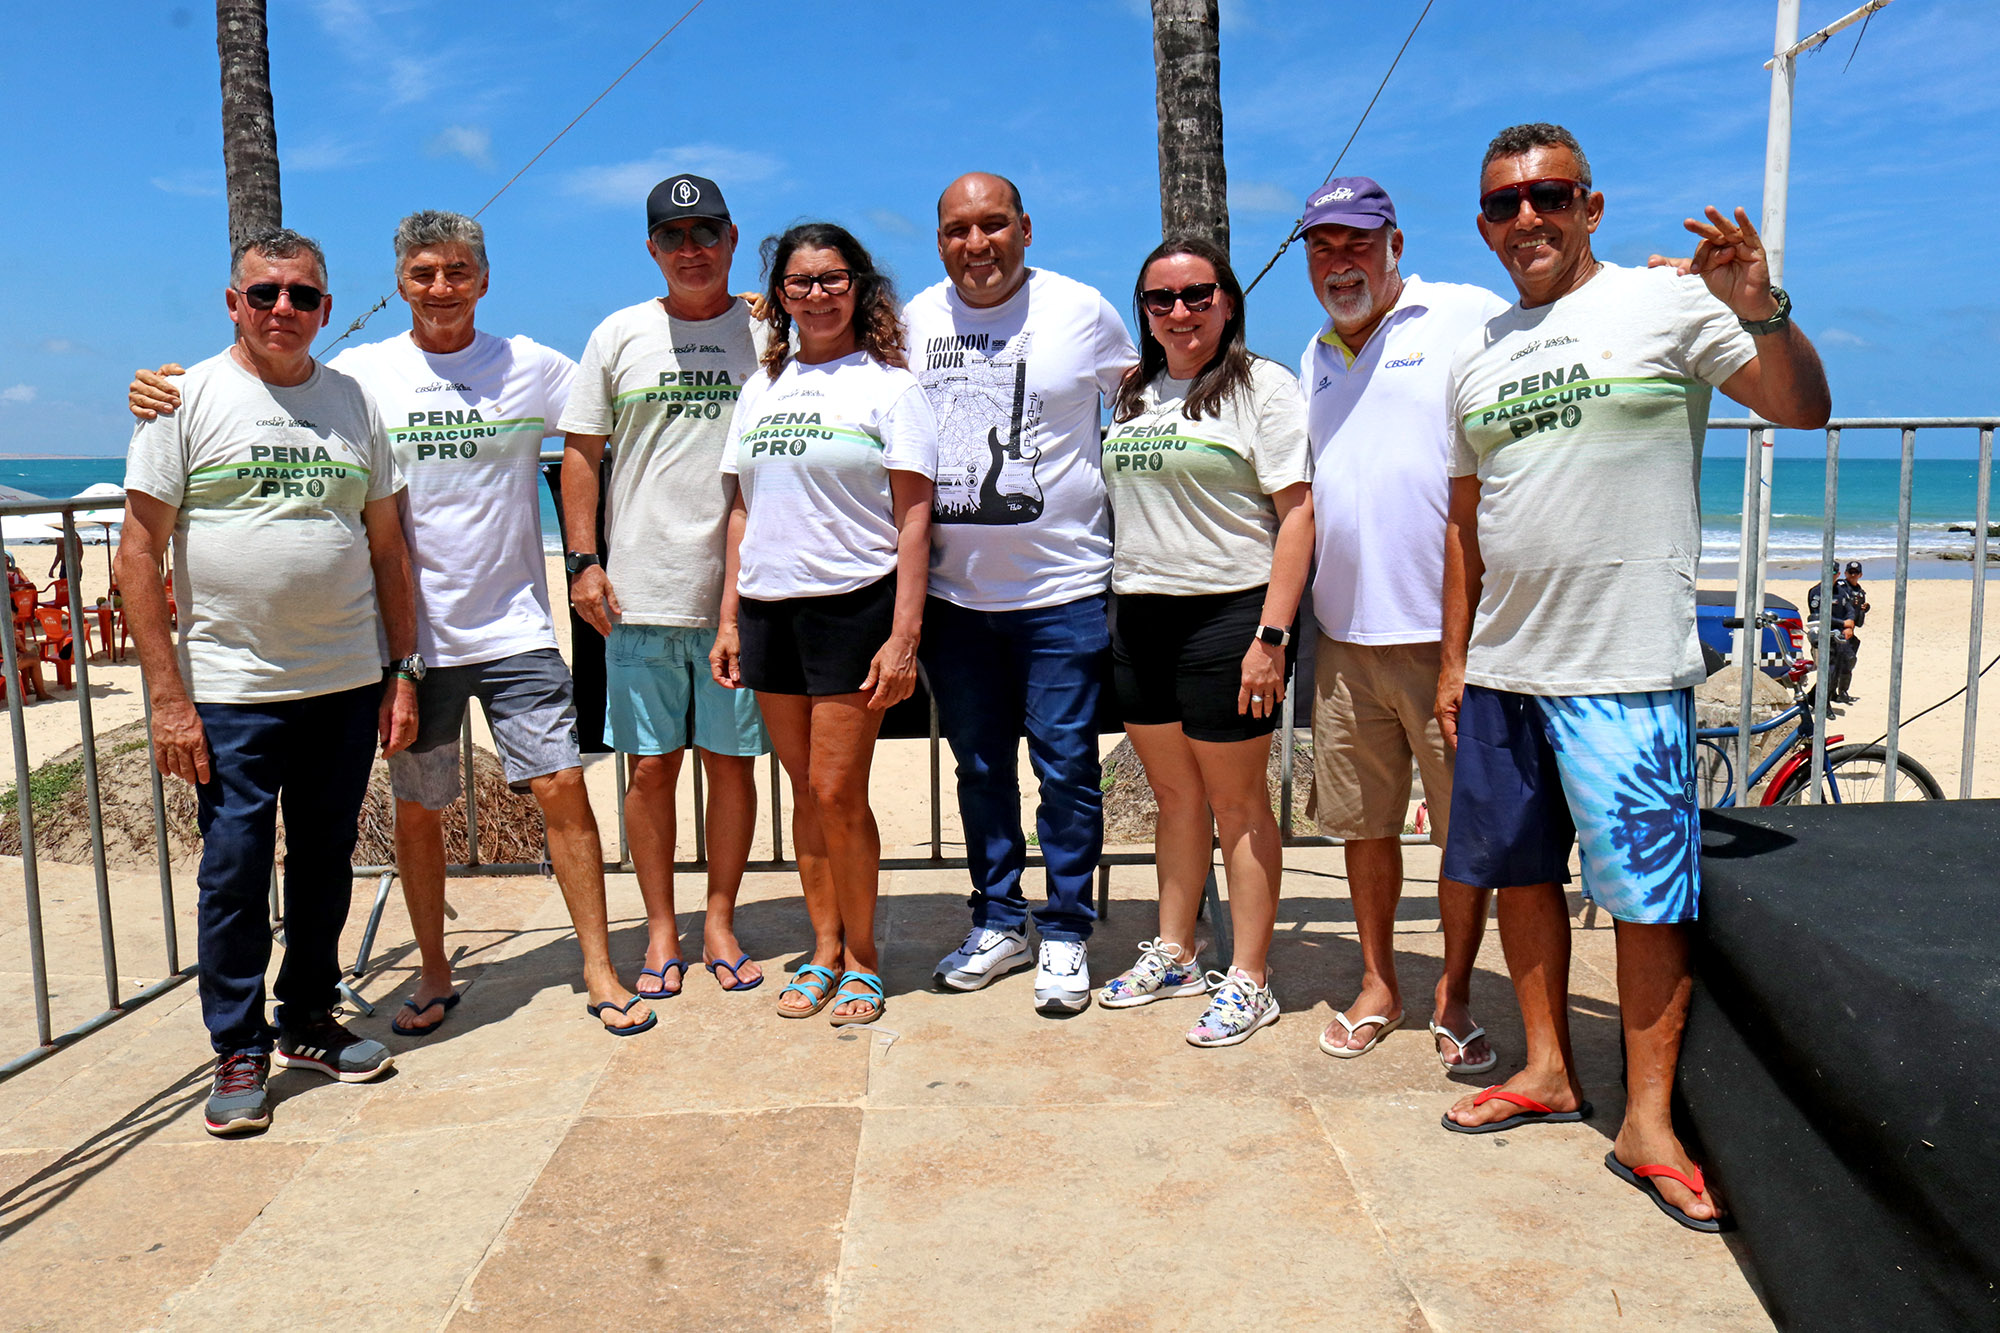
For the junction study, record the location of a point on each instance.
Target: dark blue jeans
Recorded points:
(994, 674)
(312, 756)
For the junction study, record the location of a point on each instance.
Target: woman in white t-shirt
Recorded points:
(1208, 473)
(834, 449)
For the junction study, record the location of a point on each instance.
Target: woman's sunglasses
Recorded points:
(1196, 296)
(1550, 194)
(264, 296)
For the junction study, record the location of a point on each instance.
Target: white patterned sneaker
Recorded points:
(1238, 1008)
(1062, 977)
(1158, 975)
(986, 955)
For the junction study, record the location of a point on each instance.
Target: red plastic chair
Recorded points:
(58, 647)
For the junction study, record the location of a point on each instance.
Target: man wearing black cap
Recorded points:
(659, 381)
(1375, 380)
(1850, 612)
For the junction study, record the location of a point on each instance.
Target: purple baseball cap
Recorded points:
(1349, 201)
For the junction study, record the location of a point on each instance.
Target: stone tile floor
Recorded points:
(965, 1164)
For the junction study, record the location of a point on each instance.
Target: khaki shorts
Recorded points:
(1371, 716)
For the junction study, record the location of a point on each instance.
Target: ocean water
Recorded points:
(1944, 492)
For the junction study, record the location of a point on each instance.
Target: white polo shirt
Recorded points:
(1379, 424)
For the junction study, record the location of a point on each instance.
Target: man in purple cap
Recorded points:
(1375, 380)
(659, 381)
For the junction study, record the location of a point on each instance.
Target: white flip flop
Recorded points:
(1492, 1056)
(1384, 1027)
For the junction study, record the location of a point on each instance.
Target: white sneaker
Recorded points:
(1062, 977)
(986, 955)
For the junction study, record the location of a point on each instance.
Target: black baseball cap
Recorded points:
(684, 196)
(1854, 566)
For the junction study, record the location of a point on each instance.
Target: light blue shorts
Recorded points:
(654, 675)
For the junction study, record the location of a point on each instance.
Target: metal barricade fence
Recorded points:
(1750, 583)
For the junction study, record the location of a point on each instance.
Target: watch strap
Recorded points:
(1783, 316)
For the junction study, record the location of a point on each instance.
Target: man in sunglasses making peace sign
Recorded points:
(1570, 556)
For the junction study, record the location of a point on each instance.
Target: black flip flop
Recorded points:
(1637, 1178)
(597, 1012)
(450, 1002)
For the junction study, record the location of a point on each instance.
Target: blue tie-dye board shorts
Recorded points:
(1614, 772)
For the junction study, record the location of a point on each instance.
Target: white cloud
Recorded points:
(1262, 197)
(896, 224)
(20, 393)
(1843, 338)
(474, 143)
(64, 347)
(624, 184)
(320, 154)
(200, 184)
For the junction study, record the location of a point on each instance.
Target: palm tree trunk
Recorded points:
(1187, 66)
(249, 130)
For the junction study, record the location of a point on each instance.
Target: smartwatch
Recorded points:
(410, 668)
(1273, 634)
(575, 562)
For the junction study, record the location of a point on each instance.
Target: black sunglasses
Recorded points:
(834, 282)
(1196, 296)
(1550, 194)
(706, 235)
(264, 296)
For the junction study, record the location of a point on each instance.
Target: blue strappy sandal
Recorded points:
(814, 982)
(877, 1000)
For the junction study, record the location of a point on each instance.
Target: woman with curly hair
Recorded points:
(1208, 473)
(834, 451)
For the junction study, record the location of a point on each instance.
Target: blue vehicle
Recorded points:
(1783, 631)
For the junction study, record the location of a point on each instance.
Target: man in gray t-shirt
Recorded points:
(1569, 641)
(275, 486)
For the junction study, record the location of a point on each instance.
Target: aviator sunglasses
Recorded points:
(1196, 296)
(705, 234)
(264, 296)
(1550, 194)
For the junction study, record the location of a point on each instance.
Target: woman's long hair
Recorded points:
(877, 327)
(1227, 372)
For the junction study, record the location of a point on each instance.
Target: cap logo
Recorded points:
(1340, 195)
(685, 193)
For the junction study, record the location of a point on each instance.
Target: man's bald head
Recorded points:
(976, 182)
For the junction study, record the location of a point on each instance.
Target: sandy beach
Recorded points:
(1937, 618)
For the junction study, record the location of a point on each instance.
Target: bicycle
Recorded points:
(1853, 774)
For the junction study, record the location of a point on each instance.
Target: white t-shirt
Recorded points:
(467, 428)
(1381, 443)
(1191, 499)
(1020, 519)
(663, 389)
(272, 579)
(813, 451)
(1584, 420)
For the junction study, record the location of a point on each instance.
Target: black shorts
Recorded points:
(815, 645)
(1180, 659)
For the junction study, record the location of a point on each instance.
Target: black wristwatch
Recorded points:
(575, 562)
(410, 668)
(1758, 327)
(1274, 634)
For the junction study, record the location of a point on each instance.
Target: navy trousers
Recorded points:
(311, 758)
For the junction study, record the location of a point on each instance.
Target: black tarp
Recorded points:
(1841, 1071)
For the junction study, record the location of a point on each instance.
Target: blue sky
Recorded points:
(115, 240)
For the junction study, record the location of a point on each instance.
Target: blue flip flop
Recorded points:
(597, 1012)
(661, 973)
(735, 982)
(450, 1002)
(816, 983)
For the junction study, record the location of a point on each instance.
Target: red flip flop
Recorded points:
(1638, 1177)
(1532, 1113)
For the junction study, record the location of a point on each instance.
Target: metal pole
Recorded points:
(80, 662)
(777, 809)
(31, 880)
(169, 927)
(618, 768)
(1777, 180)
(937, 788)
(1977, 646)
(1749, 601)
(1902, 611)
(471, 792)
(1286, 721)
(1823, 638)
